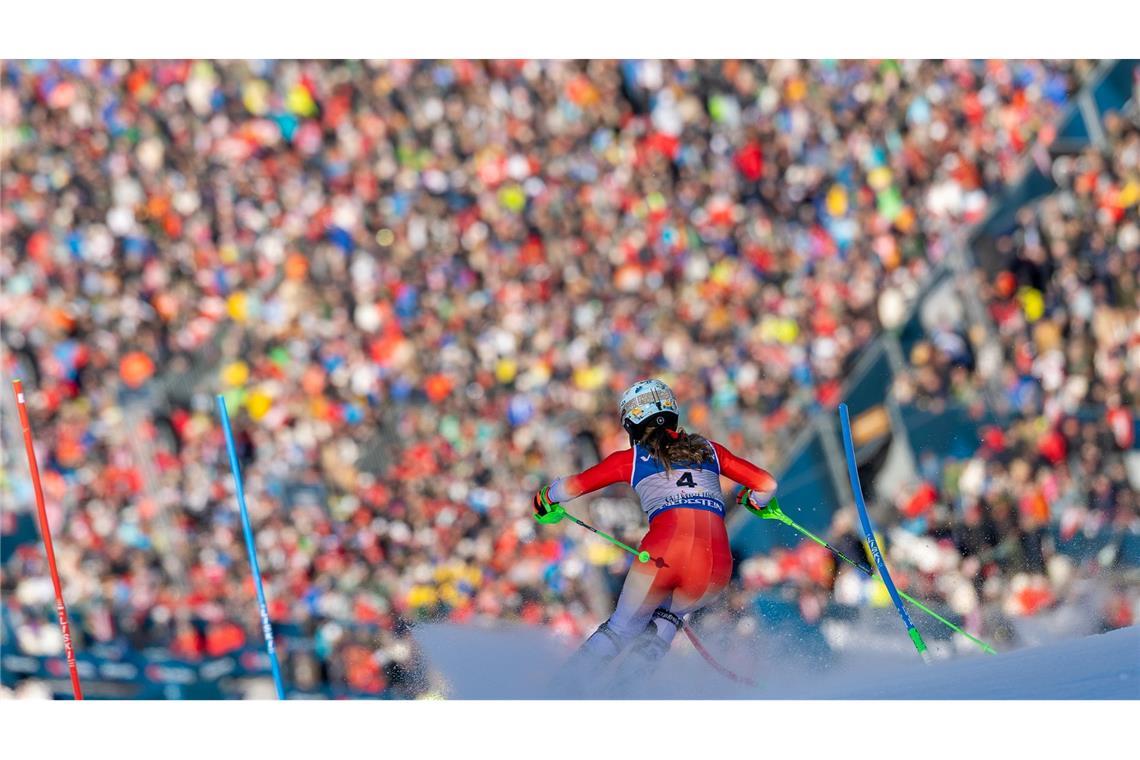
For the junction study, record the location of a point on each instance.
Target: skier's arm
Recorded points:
(759, 481)
(616, 468)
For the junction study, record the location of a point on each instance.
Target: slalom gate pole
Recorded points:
(712, 661)
(869, 535)
(45, 533)
(266, 628)
(643, 556)
(773, 512)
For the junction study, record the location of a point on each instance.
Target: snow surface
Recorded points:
(523, 663)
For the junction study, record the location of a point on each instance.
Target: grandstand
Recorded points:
(419, 285)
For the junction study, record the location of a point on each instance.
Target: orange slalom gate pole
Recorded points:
(45, 532)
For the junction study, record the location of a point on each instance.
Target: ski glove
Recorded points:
(546, 511)
(747, 499)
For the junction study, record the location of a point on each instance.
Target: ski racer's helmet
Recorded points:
(645, 403)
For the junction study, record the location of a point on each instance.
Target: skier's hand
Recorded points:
(753, 501)
(546, 511)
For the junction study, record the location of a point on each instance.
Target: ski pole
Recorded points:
(773, 512)
(557, 512)
(45, 533)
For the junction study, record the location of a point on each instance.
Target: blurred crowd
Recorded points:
(1066, 314)
(1060, 368)
(419, 286)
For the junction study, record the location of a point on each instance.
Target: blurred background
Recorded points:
(421, 285)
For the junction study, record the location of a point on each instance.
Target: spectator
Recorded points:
(405, 275)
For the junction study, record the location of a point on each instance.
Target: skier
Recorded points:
(677, 477)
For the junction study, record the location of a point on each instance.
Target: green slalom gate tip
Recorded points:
(643, 556)
(916, 637)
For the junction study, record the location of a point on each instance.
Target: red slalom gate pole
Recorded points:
(45, 532)
(712, 660)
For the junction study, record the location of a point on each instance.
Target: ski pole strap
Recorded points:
(642, 556)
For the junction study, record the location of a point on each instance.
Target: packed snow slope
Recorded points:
(524, 663)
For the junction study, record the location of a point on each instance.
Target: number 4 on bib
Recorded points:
(687, 480)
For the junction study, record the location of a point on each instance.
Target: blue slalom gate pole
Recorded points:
(266, 629)
(869, 534)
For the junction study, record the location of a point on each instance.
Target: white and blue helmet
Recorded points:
(648, 402)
